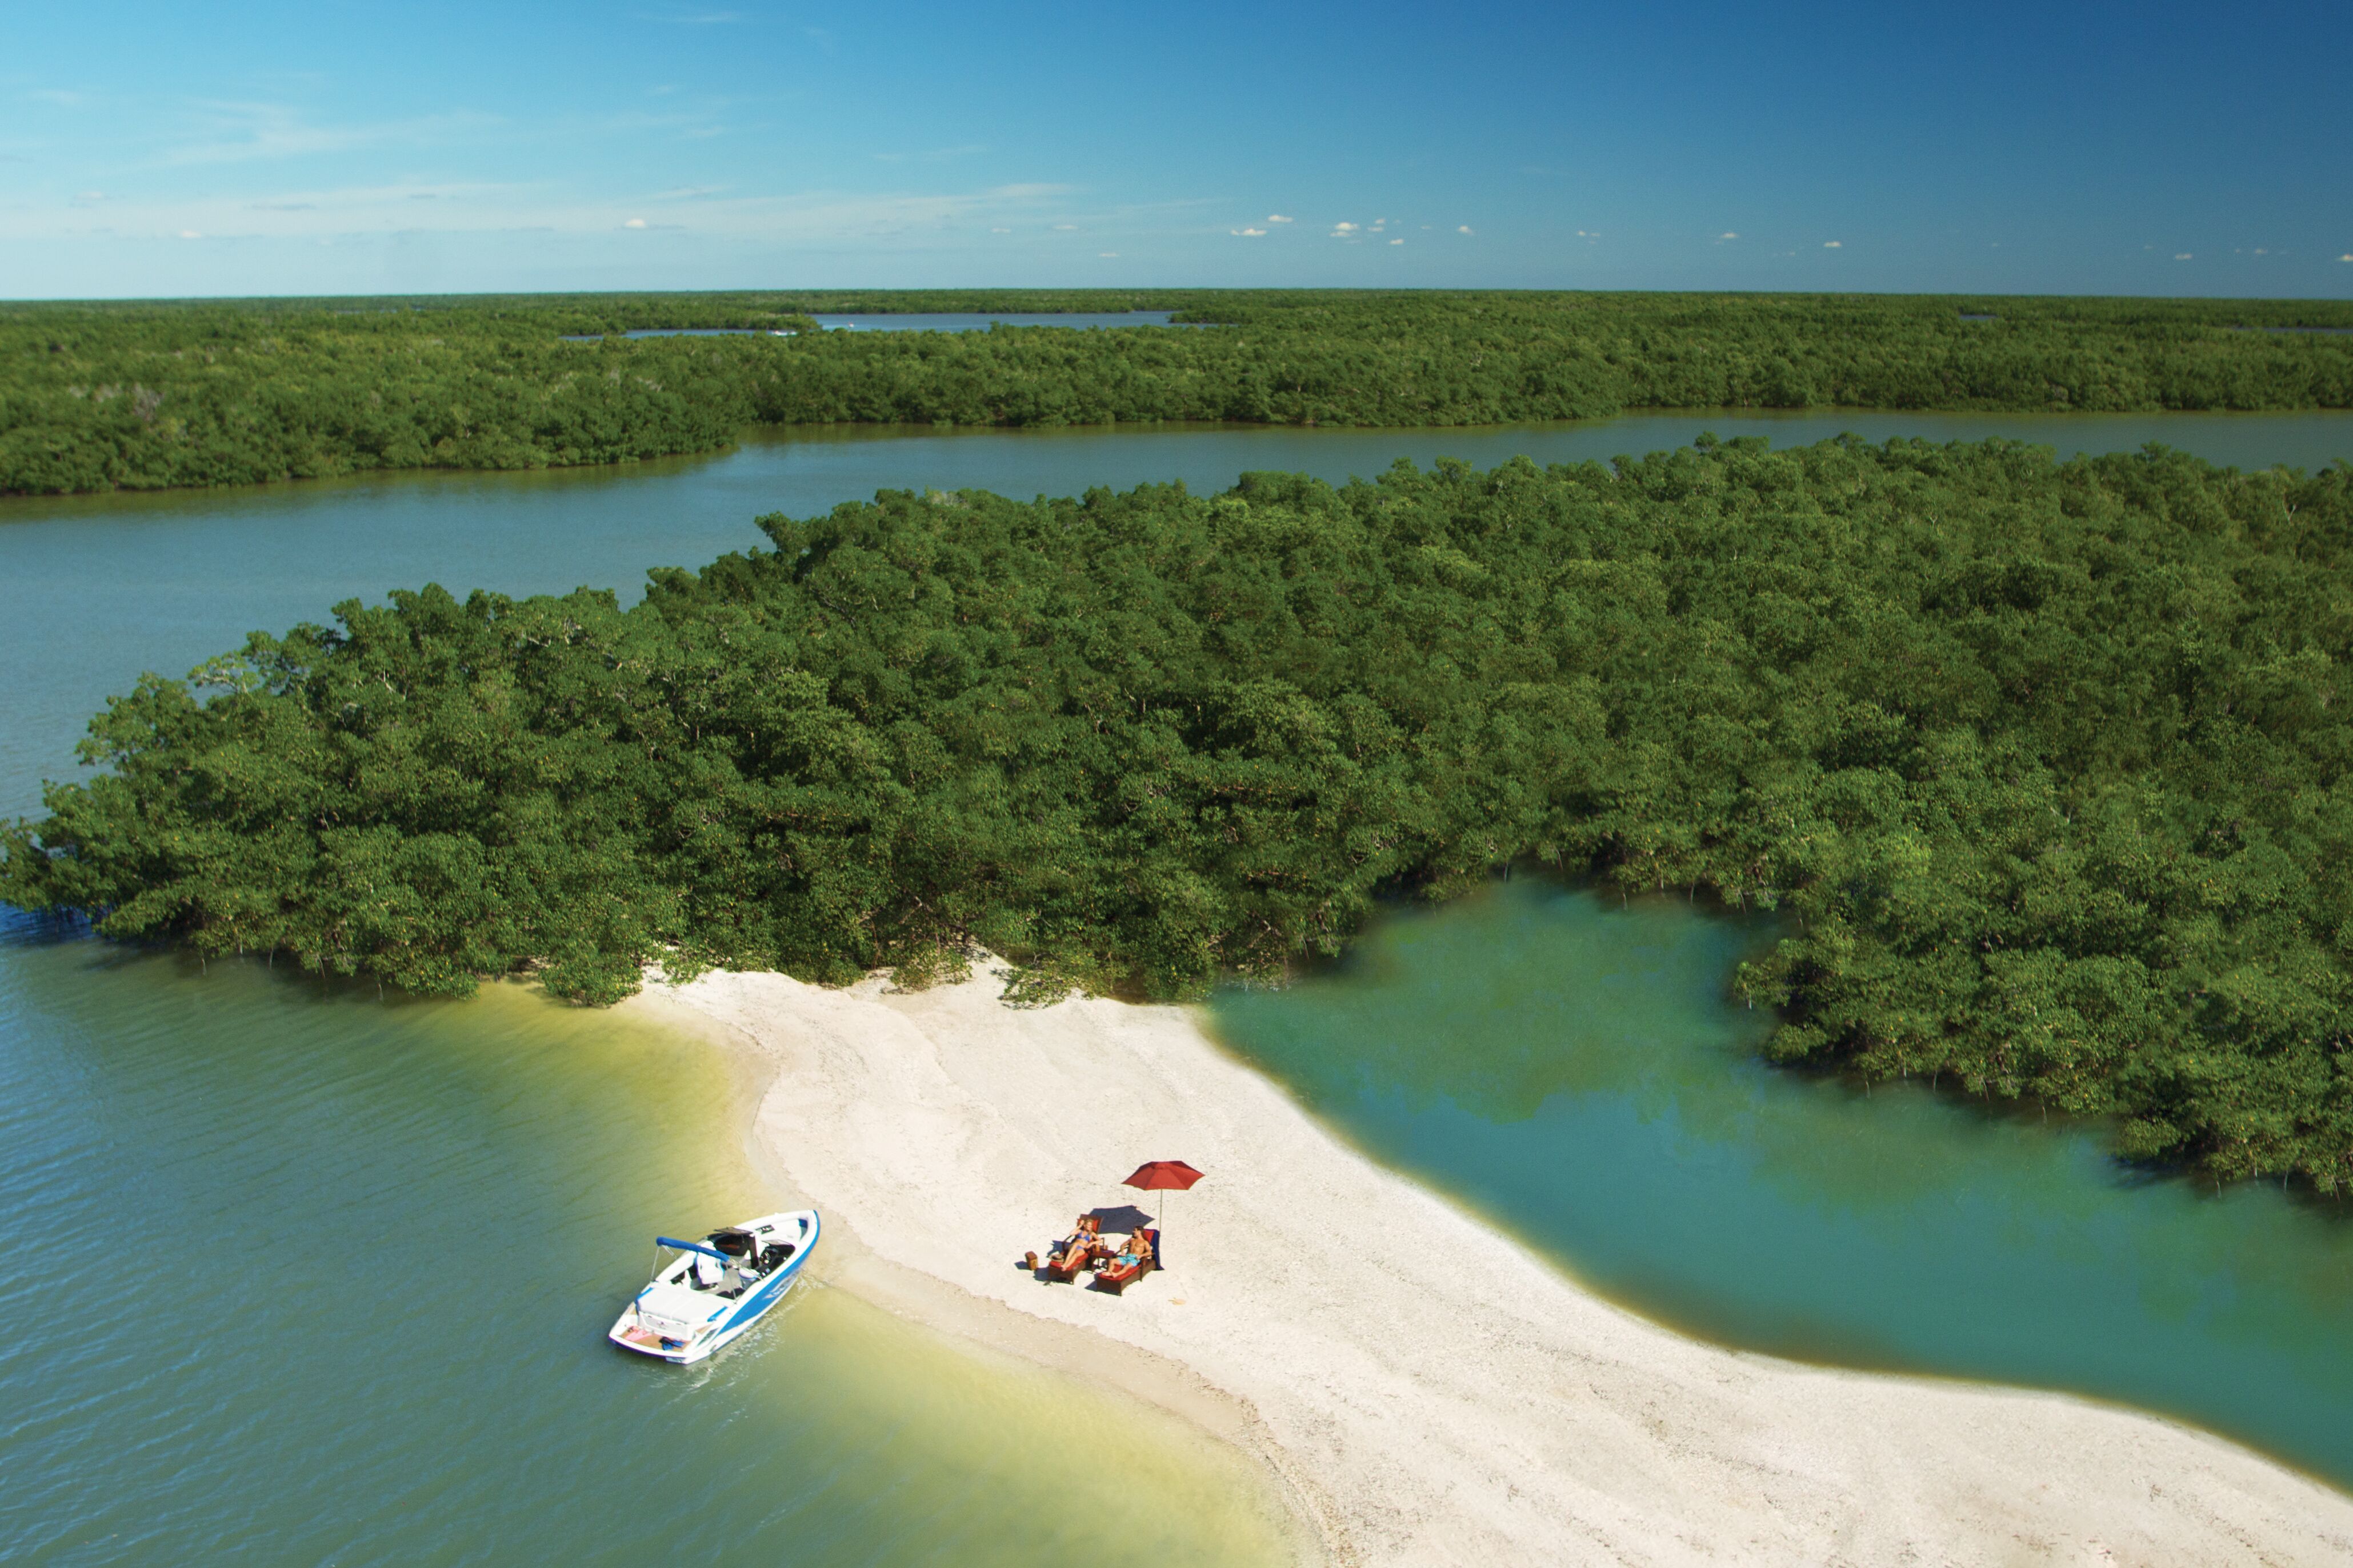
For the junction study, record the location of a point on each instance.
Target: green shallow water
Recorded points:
(299, 1277)
(1574, 1071)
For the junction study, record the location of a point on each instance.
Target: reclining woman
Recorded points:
(1077, 1250)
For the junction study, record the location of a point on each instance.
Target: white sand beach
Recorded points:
(1424, 1389)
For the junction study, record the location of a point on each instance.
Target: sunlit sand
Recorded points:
(1422, 1388)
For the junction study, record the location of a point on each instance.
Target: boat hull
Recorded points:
(725, 1327)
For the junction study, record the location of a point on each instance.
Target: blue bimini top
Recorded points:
(693, 1246)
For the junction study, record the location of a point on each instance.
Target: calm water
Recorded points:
(94, 589)
(432, 1388)
(330, 1282)
(913, 321)
(1573, 1070)
(947, 321)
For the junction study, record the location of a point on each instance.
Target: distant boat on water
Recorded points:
(715, 1289)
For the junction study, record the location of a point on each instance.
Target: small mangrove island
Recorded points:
(2044, 763)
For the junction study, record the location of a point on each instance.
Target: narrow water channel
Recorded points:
(1577, 1072)
(94, 589)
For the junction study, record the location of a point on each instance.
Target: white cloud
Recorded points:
(1276, 217)
(634, 222)
(190, 234)
(1727, 233)
(1464, 229)
(1343, 227)
(370, 213)
(250, 130)
(1064, 227)
(1397, 242)
(2182, 256)
(2347, 257)
(1248, 233)
(1000, 231)
(1830, 244)
(1107, 255)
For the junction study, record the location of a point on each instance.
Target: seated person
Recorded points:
(1136, 1252)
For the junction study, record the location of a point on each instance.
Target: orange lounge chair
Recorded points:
(1130, 1263)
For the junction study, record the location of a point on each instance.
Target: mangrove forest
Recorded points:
(2041, 765)
(144, 396)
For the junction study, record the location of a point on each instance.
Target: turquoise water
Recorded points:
(942, 321)
(1575, 1070)
(299, 1277)
(467, 1188)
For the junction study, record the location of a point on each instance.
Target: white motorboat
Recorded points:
(717, 1287)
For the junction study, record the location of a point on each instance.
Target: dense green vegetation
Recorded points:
(2046, 763)
(141, 396)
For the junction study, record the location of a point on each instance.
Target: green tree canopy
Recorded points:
(2044, 762)
(99, 396)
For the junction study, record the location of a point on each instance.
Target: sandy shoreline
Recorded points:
(1437, 1395)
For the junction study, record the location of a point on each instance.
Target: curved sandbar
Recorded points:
(1431, 1391)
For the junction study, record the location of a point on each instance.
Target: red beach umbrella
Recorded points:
(1163, 1176)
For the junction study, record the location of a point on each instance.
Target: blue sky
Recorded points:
(152, 148)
